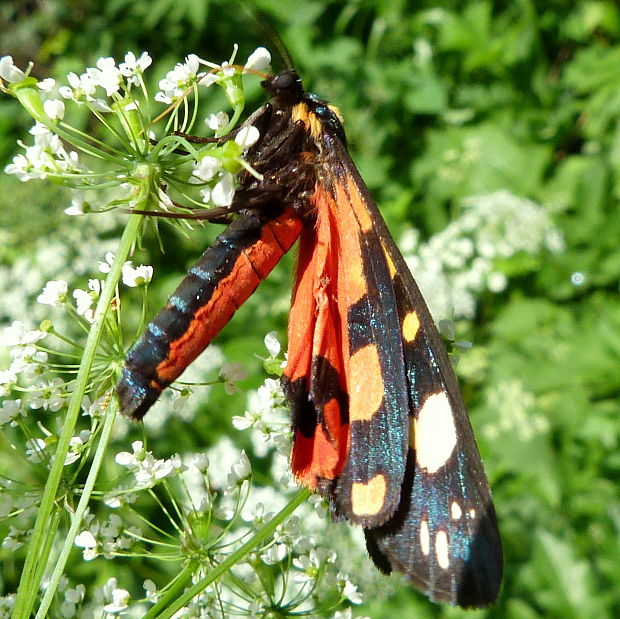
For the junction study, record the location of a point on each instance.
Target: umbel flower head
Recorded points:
(135, 156)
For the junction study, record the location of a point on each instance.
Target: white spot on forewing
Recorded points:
(435, 434)
(425, 538)
(455, 510)
(472, 513)
(441, 550)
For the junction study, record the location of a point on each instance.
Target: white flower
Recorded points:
(34, 449)
(222, 194)
(107, 75)
(54, 293)
(9, 72)
(76, 446)
(87, 541)
(104, 266)
(54, 108)
(8, 378)
(243, 468)
(133, 67)
(120, 602)
(457, 264)
(272, 344)
(206, 169)
(17, 335)
(348, 589)
(10, 410)
(94, 409)
(146, 469)
(151, 591)
(46, 156)
(246, 136)
(218, 71)
(239, 472)
(27, 360)
(72, 597)
(81, 88)
(47, 84)
(78, 206)
(274, 554)
(231, 373)
(178, 80)
(217, 121)
(14, 539)
(245, 422)
(83, 304)
(496, 282)
(49, 395)
(258, 60)
(200, 462)
(138, 276)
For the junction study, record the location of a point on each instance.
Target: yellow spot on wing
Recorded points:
(365, 384)
(411, 326)
(368, 499)
(441, 549)
(390, 262)
(433, 433)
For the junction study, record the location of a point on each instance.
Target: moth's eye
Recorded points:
(283, 81)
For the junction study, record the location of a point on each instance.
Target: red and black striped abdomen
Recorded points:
(215, 287)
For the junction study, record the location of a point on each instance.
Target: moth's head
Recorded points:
(286, 87)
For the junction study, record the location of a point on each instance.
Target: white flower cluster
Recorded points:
(107, 538)
(107, 89)
(455, 266)
(146, 469)
(267, 413)
(515, 411)
(46, 157)
(187, 74)
(208, 168)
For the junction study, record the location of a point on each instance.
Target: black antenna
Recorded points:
(271, 33)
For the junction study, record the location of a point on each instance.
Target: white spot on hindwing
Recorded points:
(434, 433)
(455, 510)
(441, 549)
(425, 538)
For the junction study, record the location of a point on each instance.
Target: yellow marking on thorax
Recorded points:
(301, 112)
(336, 111)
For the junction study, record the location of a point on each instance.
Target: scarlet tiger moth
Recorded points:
(379, 424)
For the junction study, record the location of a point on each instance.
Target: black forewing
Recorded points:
(444, 534)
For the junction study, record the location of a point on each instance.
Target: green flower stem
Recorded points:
(38, 548)
(76, 520)
(168, 605)
(175, 590)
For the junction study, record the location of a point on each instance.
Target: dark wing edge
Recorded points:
(444, 535)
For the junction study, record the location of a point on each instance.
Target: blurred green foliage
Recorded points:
(535, 86)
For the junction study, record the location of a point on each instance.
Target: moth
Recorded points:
(379, 424)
